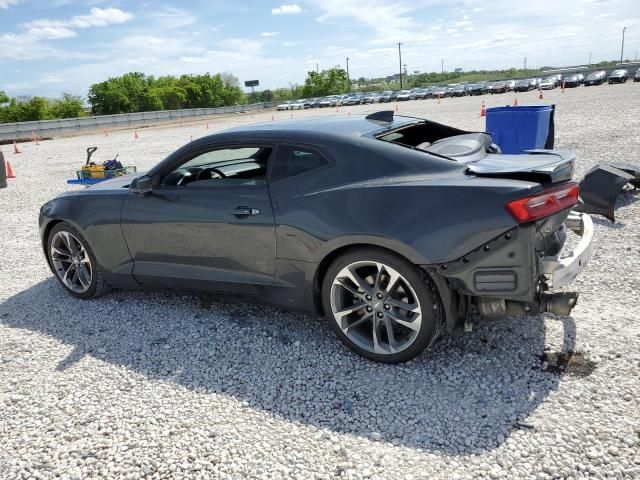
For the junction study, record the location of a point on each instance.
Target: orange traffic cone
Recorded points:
(541, 96)
(515, 102)
(483, 109)
(15, 148)
(9, 168)
(135, 134)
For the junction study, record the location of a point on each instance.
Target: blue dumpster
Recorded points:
(516, 129)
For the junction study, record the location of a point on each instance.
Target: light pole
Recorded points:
(442, 62)
(348, 78)
(400, 62)
(622, 49)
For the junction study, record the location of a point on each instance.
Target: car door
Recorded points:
(207, 223)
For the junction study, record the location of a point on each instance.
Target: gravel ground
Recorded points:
(154, 385)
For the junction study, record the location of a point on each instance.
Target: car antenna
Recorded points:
(381, 116)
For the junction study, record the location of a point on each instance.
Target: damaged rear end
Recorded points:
(525, 268)
(521, 270)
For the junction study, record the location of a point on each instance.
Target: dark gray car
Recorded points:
(395, 228)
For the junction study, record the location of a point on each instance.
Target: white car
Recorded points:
(548, 83)
(298, 105)
(285, 106)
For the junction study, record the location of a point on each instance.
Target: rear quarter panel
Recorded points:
(428, 218)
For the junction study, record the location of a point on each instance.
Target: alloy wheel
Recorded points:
(71, 262)
(376, 307)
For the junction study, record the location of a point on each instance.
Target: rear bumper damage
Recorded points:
(518, 272)
(558, 271)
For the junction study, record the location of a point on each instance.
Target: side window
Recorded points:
(291, 161)
(240, 165)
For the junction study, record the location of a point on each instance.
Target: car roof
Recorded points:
(349, 125)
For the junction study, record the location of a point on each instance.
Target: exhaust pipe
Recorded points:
(559, 303)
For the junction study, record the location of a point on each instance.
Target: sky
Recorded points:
(50, 47)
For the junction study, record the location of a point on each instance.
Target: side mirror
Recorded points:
(141, 185)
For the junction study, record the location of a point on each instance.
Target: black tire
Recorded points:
(98, 285)
(424, 288)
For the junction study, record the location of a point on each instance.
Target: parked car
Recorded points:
(524, 85)
(209, 216)
(571, 81)
(618, 76)
(581, 77)
(499, 87)
(420, 93)
(371, 97)
(636, 77)
(285, 106)
(440, 92)
(385, 96)
(595, 78)
(459, 91)
(351, 100)
(403, 95)
(298, 105)
(548, 83)
(478, 88)
(511, 85)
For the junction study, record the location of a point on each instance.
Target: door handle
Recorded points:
(245, 211)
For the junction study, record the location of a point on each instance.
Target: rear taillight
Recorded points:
(543, 204)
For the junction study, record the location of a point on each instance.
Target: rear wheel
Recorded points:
(74, 263)
(381, 306)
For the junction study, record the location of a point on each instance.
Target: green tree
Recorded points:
(327, 82)
(68, 106)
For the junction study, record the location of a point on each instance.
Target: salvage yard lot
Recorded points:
(138, 384)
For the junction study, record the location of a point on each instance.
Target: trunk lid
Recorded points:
(542, 166)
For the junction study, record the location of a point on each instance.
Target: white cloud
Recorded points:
(98, 17)
(269, 34)
(4, 4)
(292, 9)
(49, 33)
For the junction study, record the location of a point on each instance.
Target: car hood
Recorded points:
(115, 183)
(537, 165)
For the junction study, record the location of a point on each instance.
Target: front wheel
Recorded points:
(74, 263)
(381, 306)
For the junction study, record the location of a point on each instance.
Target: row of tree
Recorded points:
(137, 92)
(24, 109)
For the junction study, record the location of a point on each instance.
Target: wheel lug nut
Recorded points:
(379, 295)
(386, 306)
(380, 315)
(369, 309)
(368, 297)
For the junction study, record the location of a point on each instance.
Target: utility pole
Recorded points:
(589, 59)
(400, 62)
(317, 71)
(622, 49)
(525, 64)
(348, 77)
(442, 62)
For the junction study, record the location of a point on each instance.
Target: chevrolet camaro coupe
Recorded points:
(394, 228)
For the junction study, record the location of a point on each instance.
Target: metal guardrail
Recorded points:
(45, 128)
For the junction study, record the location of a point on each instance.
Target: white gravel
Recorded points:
(153, 385)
